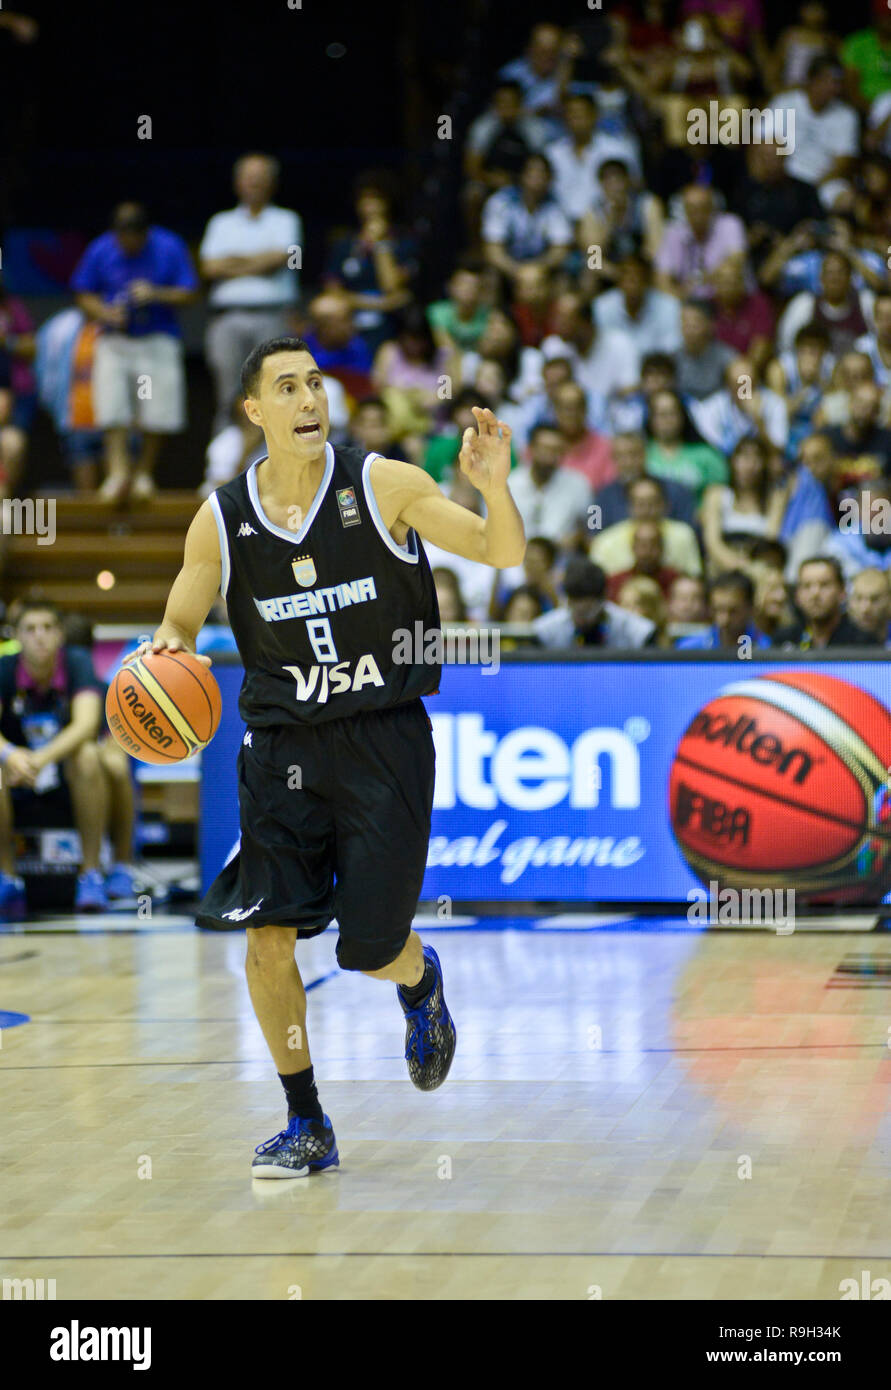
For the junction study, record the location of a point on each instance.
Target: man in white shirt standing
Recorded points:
(576, 157)
(553, 501)
(825, 137)
(251, 254)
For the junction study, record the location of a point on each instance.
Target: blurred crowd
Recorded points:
(690, 341)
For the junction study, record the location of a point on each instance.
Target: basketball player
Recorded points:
(316, 551)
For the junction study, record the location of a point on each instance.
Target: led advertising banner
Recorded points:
(639, 781)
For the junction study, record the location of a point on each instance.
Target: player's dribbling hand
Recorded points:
(161, 644)
(485, 456)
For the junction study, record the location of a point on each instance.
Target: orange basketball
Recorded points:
(163, 707)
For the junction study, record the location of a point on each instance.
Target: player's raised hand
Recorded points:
(485, 451)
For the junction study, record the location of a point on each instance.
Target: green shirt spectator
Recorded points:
(464, 333)
(868, 53)
(694, 465)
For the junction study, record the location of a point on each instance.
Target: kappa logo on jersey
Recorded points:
(349, 512)
(322, 681)
(304, 568)
(245, 529)
(248, 739)
(238, 914)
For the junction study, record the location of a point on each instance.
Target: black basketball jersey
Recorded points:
(322, 615)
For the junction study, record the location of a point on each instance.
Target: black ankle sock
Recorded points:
(413, 994)
(303, 1099)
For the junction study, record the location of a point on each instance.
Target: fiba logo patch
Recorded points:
(349, 512)
(785, 781)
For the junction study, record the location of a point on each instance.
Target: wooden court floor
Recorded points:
(631, 1114)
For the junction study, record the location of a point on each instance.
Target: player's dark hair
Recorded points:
(547, 545)
(733, 579)
(38, 605)
(583, 579)
(253, 364)
(829, 560)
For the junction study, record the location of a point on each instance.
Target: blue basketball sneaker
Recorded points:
(305, 1147)
(430, 1035)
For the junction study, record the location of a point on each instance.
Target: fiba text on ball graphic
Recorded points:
(163, 707)
(784, 781)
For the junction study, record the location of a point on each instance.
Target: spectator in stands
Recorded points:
(612, 548)
(18, 344)
(866, 56)
(696, 245)
(538, 572)
(869, 603)
(629, 451)
(731, 599)
(251, 254)
(533, 303)
(459, 321)
(540, 408)
(624, 219)
(412, 374)
(552, 500)
(629, 409)
(826, 131)
(745, 319)
(647, 549)
(796, 262)
(862, 446)
(809, 518)
(452, 608)
(651, 318)
(588, 618)
(64, 369)
(799, 379)
(848, 373)
(232, 450)
(877, 344)
(676, 449)
(800, 43)
(117, 770)
(603, 360)
(523, 605)
(523, 223)
(820, 597)
(50, 716)
(845, 313)
(862, 539)
(770, 201)
(338, 348)
(577, 156)
(496, 146)
(131, 280)
(743, 408)
(370, 429)
(588, 452)
(749, 507)
(542, 72)
(773, 611)
(701, 361)
(376, 265)
(643, 596)
(687, 603)
(500, 342)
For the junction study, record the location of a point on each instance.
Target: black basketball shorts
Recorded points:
(335, 823)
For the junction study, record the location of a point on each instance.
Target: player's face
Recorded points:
(292, 405)
(41, 638)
